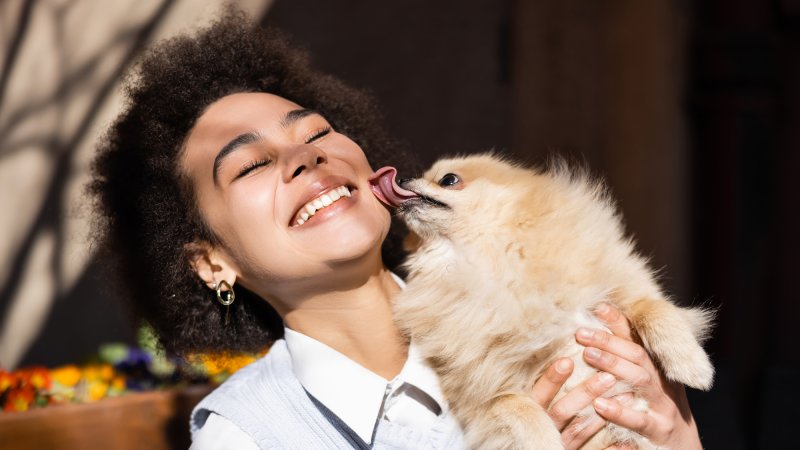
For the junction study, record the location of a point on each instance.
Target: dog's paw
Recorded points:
(672, 335)
(691, 367)
(513, 421)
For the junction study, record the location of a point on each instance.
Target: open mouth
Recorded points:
(421, 200)
(319, 203)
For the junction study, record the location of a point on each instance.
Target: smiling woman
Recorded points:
(148, 205)
(297, 164)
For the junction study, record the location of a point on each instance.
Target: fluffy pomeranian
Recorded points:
(507, 262)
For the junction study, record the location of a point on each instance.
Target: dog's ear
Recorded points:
(412, 242)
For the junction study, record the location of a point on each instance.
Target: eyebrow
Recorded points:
(235, 143)
(252, 136)
(295, 115)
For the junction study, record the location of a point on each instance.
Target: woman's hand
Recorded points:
(574, 431)
(669, 421)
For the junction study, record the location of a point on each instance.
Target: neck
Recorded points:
(355, 321)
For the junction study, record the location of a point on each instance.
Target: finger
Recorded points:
(580, 397)
(614, 412)
(626, 398)
(616, 345)
(577, 433)
(621, 368)
(614, 320)
(546, 387)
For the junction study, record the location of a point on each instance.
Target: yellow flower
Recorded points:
(90, 373)
(118, 383)
(216, 364)
(106, 372)
(67, 376)
(97, 390)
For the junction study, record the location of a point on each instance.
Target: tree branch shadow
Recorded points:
(49, 216)
(16, 43)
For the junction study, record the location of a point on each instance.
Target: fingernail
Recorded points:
(606, 312)
(592, 353)
(606, 379)
(602, 404)
(585, 333)
(562, 366)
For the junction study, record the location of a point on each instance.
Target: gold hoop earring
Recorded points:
(228, 300)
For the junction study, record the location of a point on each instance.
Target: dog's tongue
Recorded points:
(384, 186)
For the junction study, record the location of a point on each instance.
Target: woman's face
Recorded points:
(285, 193)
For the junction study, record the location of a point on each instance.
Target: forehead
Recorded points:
(247, 110)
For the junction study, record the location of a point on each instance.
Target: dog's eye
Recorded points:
(450, 179)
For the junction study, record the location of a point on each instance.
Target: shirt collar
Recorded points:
(349, 390)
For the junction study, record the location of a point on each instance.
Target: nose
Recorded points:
(303, 157)
(402, 181)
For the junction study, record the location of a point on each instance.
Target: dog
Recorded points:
(506, 263)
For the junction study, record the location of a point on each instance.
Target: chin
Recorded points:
(356, 236)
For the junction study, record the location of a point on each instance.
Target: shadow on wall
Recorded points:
(58, 90)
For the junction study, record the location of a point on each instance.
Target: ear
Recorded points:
(210, 264)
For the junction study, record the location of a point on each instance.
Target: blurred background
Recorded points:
(690, 110)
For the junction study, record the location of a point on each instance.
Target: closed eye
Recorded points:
(322, 132)
(251, 166)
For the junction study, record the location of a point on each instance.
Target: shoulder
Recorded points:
(219, 433)
(254, 393)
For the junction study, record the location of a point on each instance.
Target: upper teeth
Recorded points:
(311, 208)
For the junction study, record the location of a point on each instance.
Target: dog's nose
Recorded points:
(402, 181)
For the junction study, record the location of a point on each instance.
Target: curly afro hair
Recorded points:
(145, 205)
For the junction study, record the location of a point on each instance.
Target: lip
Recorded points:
(421, 200)
(319, 187)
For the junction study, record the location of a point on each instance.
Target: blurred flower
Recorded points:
(113, 353)
(117, 369)
(66, 376)
(117, 385)
(7, 380)
(96, 390)
(38, 377)
(20, 398)
(219, 366)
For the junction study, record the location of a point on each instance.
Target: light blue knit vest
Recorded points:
(266, 400)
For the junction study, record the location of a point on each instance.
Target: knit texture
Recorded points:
(267, 402)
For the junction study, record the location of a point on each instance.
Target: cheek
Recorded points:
(351, 152)
(248, 216)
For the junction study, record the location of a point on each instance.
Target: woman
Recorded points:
(234, 194)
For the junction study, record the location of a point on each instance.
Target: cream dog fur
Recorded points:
(507, 263)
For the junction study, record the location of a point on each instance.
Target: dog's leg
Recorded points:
(673, 335)
(511, 422)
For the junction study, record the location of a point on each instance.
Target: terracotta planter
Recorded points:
(151, 420)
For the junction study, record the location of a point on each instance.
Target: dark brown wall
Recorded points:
(439, 69)
(745, 103)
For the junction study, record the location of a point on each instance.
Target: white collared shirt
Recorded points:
(355, 394)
